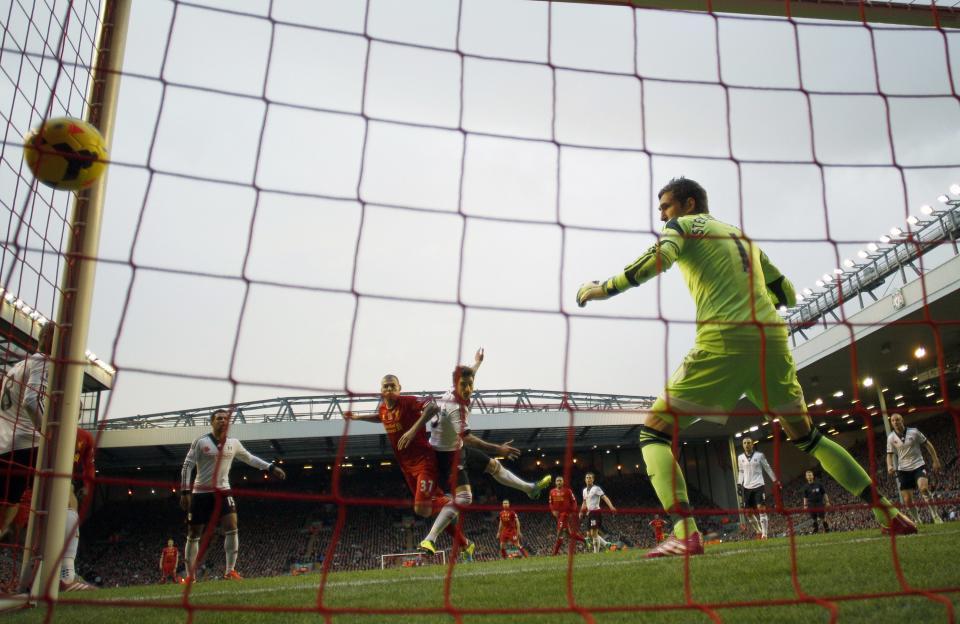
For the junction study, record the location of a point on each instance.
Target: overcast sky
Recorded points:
(385, 200)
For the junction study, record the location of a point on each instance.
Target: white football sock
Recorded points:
(764, 524)
(449, 513)
(70, 539)
(231, 547)
(505, 477)
(190, 553)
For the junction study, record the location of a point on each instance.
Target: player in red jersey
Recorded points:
(657, 525)
(169, 559)
(563, 504)
(84, 473)
(417, 460)
(509, 531)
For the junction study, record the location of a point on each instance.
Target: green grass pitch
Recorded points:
(832, 570)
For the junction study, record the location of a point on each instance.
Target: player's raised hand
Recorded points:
(591, 291)
(508, 451)
(478, 357)
(406, 439)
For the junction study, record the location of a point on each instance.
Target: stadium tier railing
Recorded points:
(882, 262)
(327, 407)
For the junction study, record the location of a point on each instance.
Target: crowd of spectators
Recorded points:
(944, 485)
(121, 542)
(297, 525)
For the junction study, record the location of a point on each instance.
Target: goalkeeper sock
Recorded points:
(667, 480)
(231, 547)
(505, 477)
(840, 465)
(70, 540)
(190, 553)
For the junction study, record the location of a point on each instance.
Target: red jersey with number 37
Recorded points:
(398, 421)
(562, 499)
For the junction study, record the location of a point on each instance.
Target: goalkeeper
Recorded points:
(741, 348)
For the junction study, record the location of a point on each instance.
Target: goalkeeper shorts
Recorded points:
(707, 386)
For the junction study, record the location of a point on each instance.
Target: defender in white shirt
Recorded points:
(212, 455)
(905, 457)
(751, 464)
(592, 495)
(23, 392)
(461, 454)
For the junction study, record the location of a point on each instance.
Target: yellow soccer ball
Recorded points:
(66, 153)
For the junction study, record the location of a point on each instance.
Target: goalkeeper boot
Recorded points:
(676, 547)
(900, 524)
(427, 547)
(540, 486)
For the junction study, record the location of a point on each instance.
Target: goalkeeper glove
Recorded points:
(589, 292)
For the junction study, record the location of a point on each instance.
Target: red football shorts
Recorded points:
(422, 481)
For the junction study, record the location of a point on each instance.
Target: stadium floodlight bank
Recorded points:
(881, 262)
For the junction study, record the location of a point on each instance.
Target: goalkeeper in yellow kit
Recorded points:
(741, 348)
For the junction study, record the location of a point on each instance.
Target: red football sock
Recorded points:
(438, 503)
(453, 530)
(503, 553)
(523, 551)
(556, 547)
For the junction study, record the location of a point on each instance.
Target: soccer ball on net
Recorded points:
(66, 153)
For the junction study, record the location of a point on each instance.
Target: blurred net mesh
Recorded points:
(320, 195)
(46, 54)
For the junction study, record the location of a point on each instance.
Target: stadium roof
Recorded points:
(19, 328)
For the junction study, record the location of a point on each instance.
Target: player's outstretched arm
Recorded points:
(250, 459)
(933, 456)
(348, 415)
(768, 469)
(477, 360)
(505, 449)
(779, 287)
(429, 411)
(656, 260)
(606, 499)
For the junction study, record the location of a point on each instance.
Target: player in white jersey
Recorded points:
(22, 397)
(212, 454)
(460, 453)
(751, 465)
(592, 495)
(905, 457)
